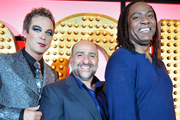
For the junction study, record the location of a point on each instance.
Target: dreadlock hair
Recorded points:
(123, 33)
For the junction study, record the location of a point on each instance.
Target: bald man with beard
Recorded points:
(80, 96)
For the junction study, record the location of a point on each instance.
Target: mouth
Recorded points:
(41, 45)
(145, 30)
(85, 67)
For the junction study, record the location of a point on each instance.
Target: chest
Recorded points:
(149, 77)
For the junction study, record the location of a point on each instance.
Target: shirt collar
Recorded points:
(30, 59)
(98, 84)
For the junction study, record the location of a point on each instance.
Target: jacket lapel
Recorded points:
(22, 69)
(47, 76)
(83, 97)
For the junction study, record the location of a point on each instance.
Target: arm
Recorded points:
(50, 104)
(7, 113)
(120, 89)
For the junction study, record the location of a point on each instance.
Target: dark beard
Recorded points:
(78, 74)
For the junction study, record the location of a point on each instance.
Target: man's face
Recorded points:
(84, 60)
(141, 24)
(40, 34)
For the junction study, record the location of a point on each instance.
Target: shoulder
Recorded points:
(5, 56)
(59, 88)
(161, 63)
(122, 55)
(57, 83)
(121, 62)
(9, 57)
(49, 67)
(60, 84)
(51, 72)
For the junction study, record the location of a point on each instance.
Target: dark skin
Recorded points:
(142, 27)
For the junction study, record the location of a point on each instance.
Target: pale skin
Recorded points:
(31, 113)
(142, 27)
(38, 40)
(84, 62)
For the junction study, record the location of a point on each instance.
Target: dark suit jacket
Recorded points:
(64, 100)
(17, 85)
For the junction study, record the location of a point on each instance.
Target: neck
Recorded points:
(145, 50)
(34, 55)
(87, 82)
(142, 49)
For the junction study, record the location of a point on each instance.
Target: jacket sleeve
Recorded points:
(7, 113)
(51, 105)
(120, 89)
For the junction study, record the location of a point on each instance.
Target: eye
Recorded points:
(150, 16)
(49, 33)
(37, 29)
(135, 18)
(79, 55)
(92, 56)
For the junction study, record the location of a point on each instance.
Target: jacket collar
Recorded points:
(82, 96)
(22, 69)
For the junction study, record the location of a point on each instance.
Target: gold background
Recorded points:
(101, 30)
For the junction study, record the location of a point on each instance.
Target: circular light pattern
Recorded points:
(170, 54)
(97, 28)
(7, 40)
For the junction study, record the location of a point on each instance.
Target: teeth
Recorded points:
(145, 29)
(85, 67)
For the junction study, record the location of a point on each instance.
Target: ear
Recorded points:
(24, 33)
(70, 60)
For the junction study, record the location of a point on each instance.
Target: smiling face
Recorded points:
(84, 60)
(39, 37)
(141, 24)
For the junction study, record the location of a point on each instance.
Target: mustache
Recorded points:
(89, 64)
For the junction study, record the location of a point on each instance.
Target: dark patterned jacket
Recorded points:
(17, 85)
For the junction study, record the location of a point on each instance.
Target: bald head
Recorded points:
(84, 44)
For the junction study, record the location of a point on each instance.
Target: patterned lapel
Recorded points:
(49, 75)
(82, 96)
(22, 69)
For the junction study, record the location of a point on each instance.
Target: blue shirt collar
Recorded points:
(95, 81)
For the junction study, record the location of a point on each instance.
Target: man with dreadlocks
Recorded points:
(137, 83)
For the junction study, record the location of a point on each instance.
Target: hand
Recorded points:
(31, 113)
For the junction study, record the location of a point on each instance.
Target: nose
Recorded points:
(43, 36)
(145, 20)
(86, 59)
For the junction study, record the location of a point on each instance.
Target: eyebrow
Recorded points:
(79, 53)
(49, 30)
(36, 26)
(41, 28)
(141, 13)
(92, 53)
